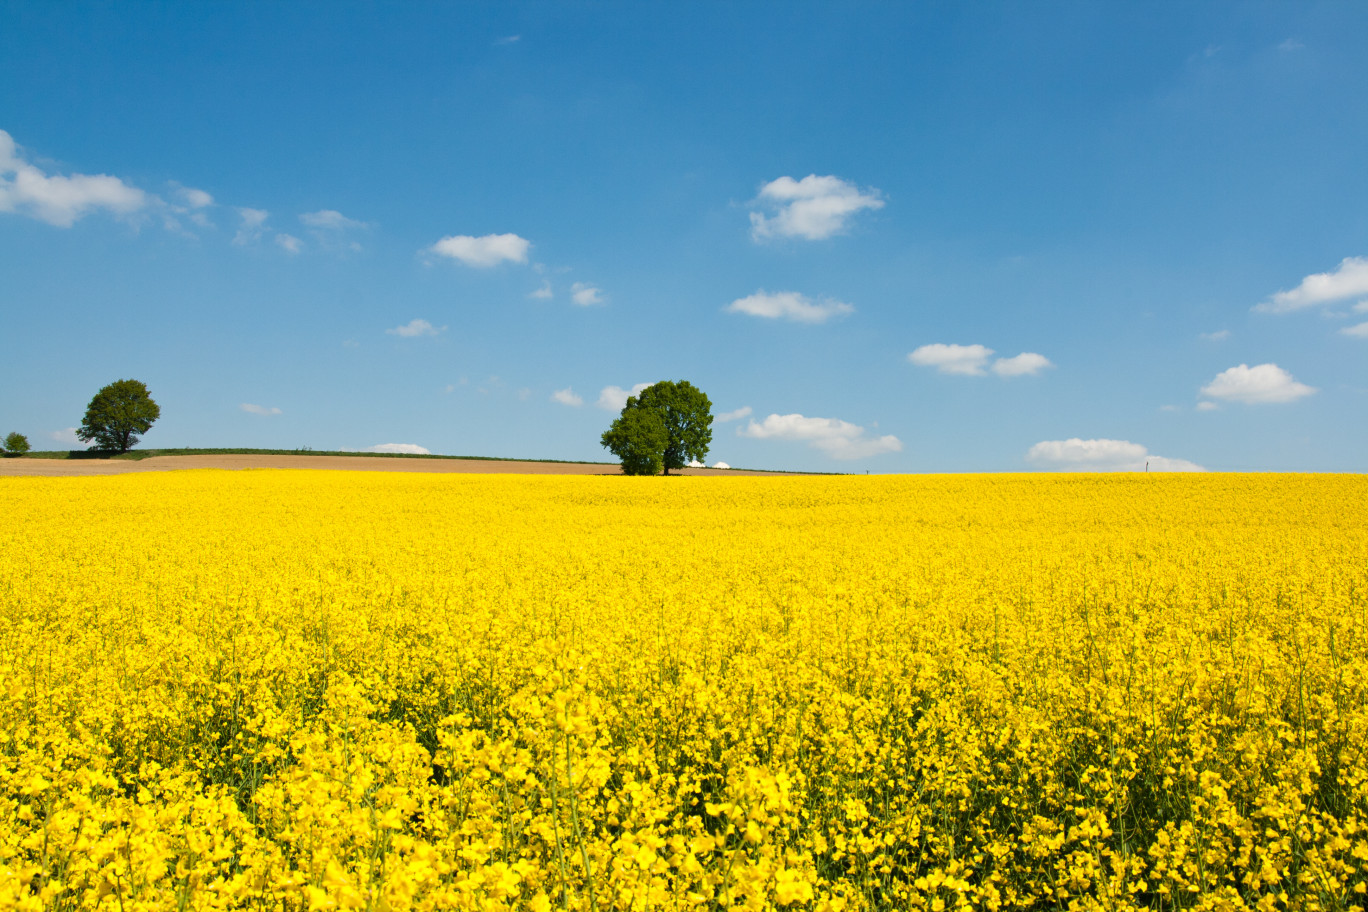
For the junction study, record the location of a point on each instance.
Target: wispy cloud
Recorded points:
(587, 295)
(484, 251)
(1262, 383)
(813, 208)
(831, 436)
(1348, 280)
(416, 328)
(289, 242)
(789, 305)
(252, 225)
(1102, 455)
(1359, 331)
(330, 220)
(251, 409)
(1219, 335)
(544, 293)
(735, 415)
(569, 397)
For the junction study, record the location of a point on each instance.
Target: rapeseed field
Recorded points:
(288, 690)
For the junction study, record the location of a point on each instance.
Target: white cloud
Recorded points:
(813, 208)
(720, 465)
(1348, 280)
(832, 436)
(330, 220)
(1361, 307)
(1075, 455)
(66, 435)
(952, 359)
(291, 243)
(259, 409)
(1359, 331)
(1205, 406)
(253, 224)
(416, 328)
(970, 360)
(485, 251)
(789, 305)
(695, 464)
(734, 415)
(1257, 384)
(1023, 365)
(508, 39)
(568, 396)
(57, 199)
(544, 293)
(411, 448)
(1219, 335)
(191, 197)
(614, 398)
(586, 295)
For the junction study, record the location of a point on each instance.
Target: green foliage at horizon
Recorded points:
(117, 414)
(684, 413)
(16, 444)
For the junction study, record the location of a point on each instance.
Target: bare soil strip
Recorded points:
(76, 467)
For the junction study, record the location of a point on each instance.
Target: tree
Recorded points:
(117, 414)
(16, 444)
(638, 438)
(684, 412)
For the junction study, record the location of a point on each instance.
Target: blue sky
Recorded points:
(881, 237)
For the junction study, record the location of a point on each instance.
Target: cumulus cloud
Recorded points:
(291, 243)
(1205, 406)
(789, 305)
(57, 199)
(613, 398)
(720, 465)
(568, 396)
(544, 293)
(1348, 280)
(411, 448)
(252, 225)
(251, 409)
(1023, 365)
(952, 359)
(971, 360)
(1075, 455)
(832, 436)
(1258, 384)
(734, 415)
(1359, 331)
(485, 251)
(586, 295)
(416, 328)
(812, 208)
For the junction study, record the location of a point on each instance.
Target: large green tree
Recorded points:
(681, 410)
(117, 415)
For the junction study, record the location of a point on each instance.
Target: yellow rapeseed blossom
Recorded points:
(295, 690)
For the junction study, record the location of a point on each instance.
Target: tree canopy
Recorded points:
(666, 426)
(117, 415)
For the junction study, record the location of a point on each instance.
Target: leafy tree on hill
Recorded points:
(665, 427)
(117, 414)
(16, 444)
